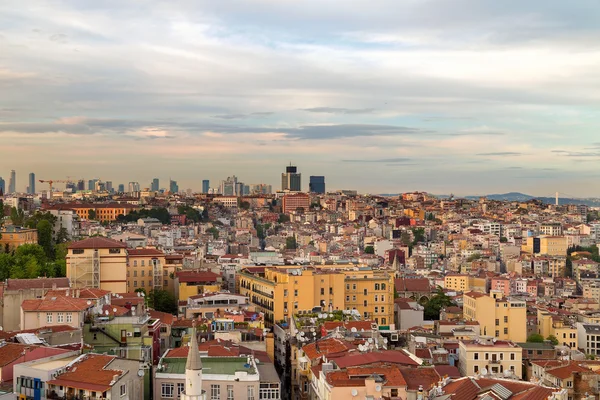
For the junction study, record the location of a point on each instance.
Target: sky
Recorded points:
(385, 96)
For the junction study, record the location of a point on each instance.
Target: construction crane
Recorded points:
(51, 181)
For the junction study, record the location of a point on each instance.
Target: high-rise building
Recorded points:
(154, 186)
(316, 184)
(2, 185)
(12, 182)
(291, 179)
(205, 186)
(109, 186)
(92, 184)
(260, 188)
(71, 187)
(134, 187)
(121, 188)
(80, 185)
(231, 186)
(173, 187)
(31, 187)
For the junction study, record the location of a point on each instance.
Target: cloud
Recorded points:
(59, 38)
(501, 153)
(242, 116)
(333, 110)
(381, 160)
(577, 153)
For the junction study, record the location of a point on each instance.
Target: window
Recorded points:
(383, 286)
(229, 392)
(60, 317)
(383, 321)
(134, 273)
(512, 356)
(365, 303)
(143, 283)
(143, 272)
(569, 384)
(376, 298)
(497, 322)
(167, 390)
(296, 292)
(382, 309)
(347, 286)
(77, 251)
(49, 317)
(69, 317)
(365, 292)
(135, 283)
(250, 392)
(506, 331)
(165, 283)
(180, 388)
(497, 333)
(476, 356)
(347, 298)
(377, 286)
(353, 298)
(270, 391)
(354, 286)
(135, 263)
(476, 368)
(142, 263)
(382, 297)
(215, 392)
(330, 290)
(285, 292)
(123, 390)
(376, 309)
(114, 251)
(322, 291)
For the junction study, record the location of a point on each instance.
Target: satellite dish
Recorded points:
(370, 340)
(141, 373)
(353, 330)
(106, 312)
(484, 371)
(354, 392)
(330, 315)
(385, 340)
(114, 310)
(133, 308)
(302, 333)
(89, 303)
(378, 388)
(314, 333)
(143, 294)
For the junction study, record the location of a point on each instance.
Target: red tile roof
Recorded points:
(39, 283)
(325, 347)
(387, 356)
(426, 377)
(89, 373)
(331, 325)
(447, 370)
(197, 276)
(145, 252)
(59, 303)
(412, 285)
(85, 293)
(97, 242)
(354, 376)
(165, 318)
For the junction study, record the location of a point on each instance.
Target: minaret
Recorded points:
(193, 372)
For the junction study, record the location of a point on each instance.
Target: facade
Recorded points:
(104, 212)
(68, 220)
(498, 317)
(282, 292)
(98, 262)
(37, 313)
(551, 324)
(489, 355)
(588, 338)
(546, 245)
(317, 184)
(14, 236)
(147, 270)
(292, 202)
(205, 186)
(291, 180)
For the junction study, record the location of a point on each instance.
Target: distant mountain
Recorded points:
(512, 196)
(517, 196)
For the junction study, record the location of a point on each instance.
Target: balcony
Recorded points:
(495, 361)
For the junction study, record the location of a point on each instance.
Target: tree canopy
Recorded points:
(535, 338)
(436, 303)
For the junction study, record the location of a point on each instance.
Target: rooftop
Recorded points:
(210, 365)
(97, 242)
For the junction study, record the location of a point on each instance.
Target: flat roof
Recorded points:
(54, 364)
(210, 365)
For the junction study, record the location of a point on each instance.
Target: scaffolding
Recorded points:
(81, 270)
(157, 272)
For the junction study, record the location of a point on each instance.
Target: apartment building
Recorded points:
(549, 323)
(37, 313)
(103, 212)
(12, 236)
(547, 245)
(146, 270)
(489, 355)
(292, 202)
(498, 317)
(281, 292)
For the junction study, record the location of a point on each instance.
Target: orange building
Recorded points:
(104, 211)
(15, 236)
(291, 202)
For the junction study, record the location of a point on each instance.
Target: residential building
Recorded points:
(588, 338)
(98, 376)
(547, 245)
(553, 324)
(281, 292)
(191, 283)
(291, 179)
(12, 236)
(408, 314)
(13, 354)
(59, 310)
(501, 318)
(98, 262)
(103, 212)
(317, 184)
(15, 291)
(68, 220)
(489, 355)
(147, 270)
(578, 378)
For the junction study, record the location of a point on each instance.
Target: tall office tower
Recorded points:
(154, 186)
(12, 182)
(31, 187)
(291, 179)
(230, 186)
(100, 186)
(205, 186)
(316, 184)
(108, 186)
(121, 188)
(245, 190)
(71, 187)
(173, 187)
(92, 184)
(2, 185)
(80, 185)
(134, 187)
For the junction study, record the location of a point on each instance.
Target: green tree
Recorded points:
(283, 218)
(552, 340)
(35, 219)
(473, 257)
(244, 205)
(503, 239)
(435, 304)
(92, 214)
(17, 216)
(535, 338)
(214, 231)
(162, 300)
(45, 238)
(419, 234)
(62, 236)
(369, 250)
(290, 243)
(405, 238)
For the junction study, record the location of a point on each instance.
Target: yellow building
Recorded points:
(498, 317)
(12, 236)
(464, 283)
(549, 323)
(548, 245)
(281, 292)
(496, 356)
(98, 262)
(147, 270)
(103, 211)
(192, 283)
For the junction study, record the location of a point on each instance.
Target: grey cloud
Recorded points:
(242, 116)
(578, 154)
(349, 130)
(58, 38)
(334, 110)
(501, 153)
(475, 133)
(381, 160)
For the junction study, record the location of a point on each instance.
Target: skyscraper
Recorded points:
(80, 185)
(205, 186)
(92, 184)
(121, 188)
(134, 187)
(173, 187)
(291, 180)
(317, 184)
(2, 185)
(109, 187)
(31, 187)
(154, 186)
(12, 182)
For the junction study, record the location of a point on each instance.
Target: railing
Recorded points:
(495, 361)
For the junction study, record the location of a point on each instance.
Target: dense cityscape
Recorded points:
(239, 291)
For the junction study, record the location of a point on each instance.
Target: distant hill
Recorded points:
(517, 196)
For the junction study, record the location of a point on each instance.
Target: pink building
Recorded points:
(501, 284)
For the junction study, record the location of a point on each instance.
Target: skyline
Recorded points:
(472, 97)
